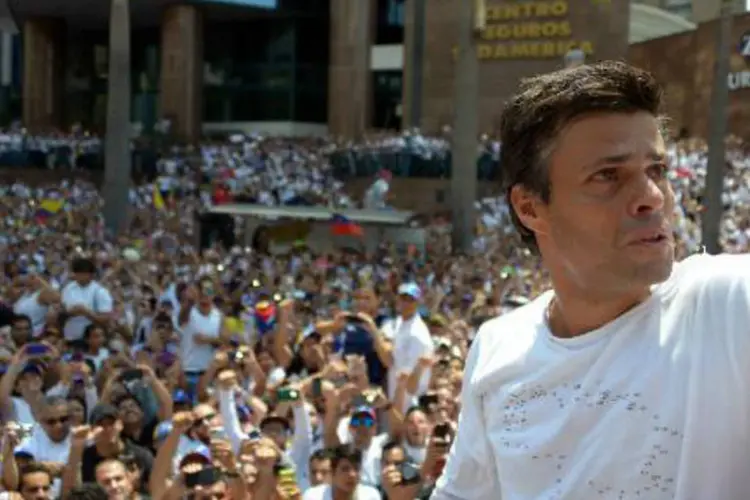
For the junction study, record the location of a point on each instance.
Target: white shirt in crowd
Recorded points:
(377, 194)
(43, 449)
(655, 404)
(93, 296)
(371, 457)
(411, 340)
(324, 492)
(195, 357)
(28, 305)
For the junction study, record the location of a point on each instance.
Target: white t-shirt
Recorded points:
(411, 340)
(655, 404)
(196, 358)
(93, 296)
(324, 492)
(29, 305)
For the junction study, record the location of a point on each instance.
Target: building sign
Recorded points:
(529, 30)
(741, 79)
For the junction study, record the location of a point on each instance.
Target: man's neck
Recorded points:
(110, 449)
(205, 309)
(337, 494)
(573, 315)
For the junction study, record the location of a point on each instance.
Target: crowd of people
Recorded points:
(137, 365)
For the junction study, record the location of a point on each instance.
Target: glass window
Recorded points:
(390, 22)
(387, 88)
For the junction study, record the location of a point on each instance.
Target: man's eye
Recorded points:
(606, 175)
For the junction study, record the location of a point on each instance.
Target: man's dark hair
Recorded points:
(545, 104)
(391, 445)
(322, 454)
(21, 317)
(33, 468)
(87, 491)
(348, 453)
(83, 265)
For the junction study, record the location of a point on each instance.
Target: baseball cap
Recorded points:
(201, 454)
(364, 410)
(103, 411)
(411, 290)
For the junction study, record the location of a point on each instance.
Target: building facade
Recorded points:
(303, 66)
(688, 75)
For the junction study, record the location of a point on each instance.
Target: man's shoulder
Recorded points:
(506, 340)
(713, 278)
(365, 492)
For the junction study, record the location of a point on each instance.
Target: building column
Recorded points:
(43, 72)
(181, 92)
(349, 73)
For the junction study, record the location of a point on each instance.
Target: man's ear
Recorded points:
(529, 208)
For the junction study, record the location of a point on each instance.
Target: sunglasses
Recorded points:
(362, 422)
(204, 420)
(59, 420)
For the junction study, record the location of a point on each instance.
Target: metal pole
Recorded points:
(718, 130)
(417, 63)
(465, 129)
(117, 161)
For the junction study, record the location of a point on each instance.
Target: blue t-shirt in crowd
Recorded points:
(355, 340)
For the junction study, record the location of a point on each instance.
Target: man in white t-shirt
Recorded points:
(376, 196)
(346, 462)
(84, 300)
(410, 337)
(629, 379)
(202, 326)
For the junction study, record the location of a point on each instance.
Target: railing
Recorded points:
(353, 164)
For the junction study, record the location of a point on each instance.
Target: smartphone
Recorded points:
(286, 394)
(353, 318)
(317, 388)
(131, 374)
(36, 349)
(204, 477)
(254, 435)
(409, 474)
(427, 400)
(442, 432)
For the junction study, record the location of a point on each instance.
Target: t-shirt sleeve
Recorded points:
(103, 303)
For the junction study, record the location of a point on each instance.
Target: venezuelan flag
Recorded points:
(47, 208)
(342, 226)
(158, 198)
(265, 316)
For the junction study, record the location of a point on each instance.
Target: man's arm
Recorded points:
(470, 472)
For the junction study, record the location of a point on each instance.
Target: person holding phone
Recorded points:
(202, 326)
(84, 300)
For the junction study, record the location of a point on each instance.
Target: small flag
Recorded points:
(341, 226)
(158, 199)
(47, 208)
(265, 316)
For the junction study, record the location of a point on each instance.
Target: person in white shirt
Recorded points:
(346, 462)
(630, 377)
(202, 326)
(411, 340)
(49, 441)
(85, 300)
(32, 298)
